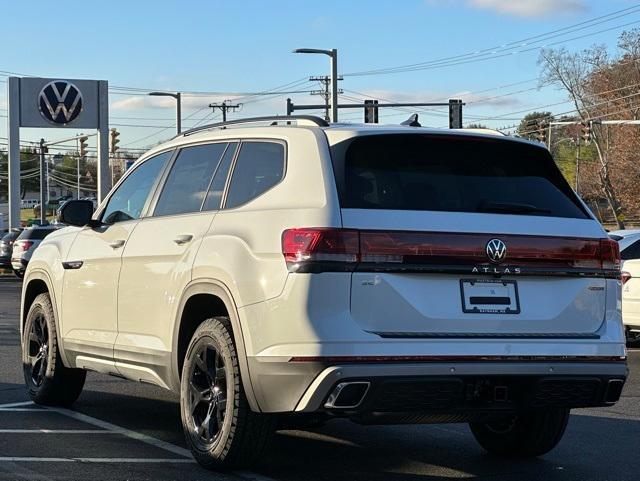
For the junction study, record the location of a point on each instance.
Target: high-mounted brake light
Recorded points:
(333, 249)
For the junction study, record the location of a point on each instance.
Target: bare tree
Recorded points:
(600, 87)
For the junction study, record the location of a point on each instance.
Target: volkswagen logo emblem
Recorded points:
(496, 250)
(60, 102)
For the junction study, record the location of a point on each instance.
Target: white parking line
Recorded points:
(22, 410)
(15, 405)
(55, 431)
(94, 460)
(106, 428)
(125, 432)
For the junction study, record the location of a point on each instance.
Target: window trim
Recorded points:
(223, 205)
(238, 145)
(151, 212)
(145, 208)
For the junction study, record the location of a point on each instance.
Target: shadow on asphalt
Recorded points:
(594, 448)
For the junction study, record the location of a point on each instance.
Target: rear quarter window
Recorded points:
(259, 167)
(451, 173)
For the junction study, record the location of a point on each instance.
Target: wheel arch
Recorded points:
(202, 292)
(38, 282)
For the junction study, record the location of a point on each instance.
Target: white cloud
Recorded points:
(488, 99)
(530, 8)
(140, 102)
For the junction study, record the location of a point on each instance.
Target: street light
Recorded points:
(176, 96)
(333, 53)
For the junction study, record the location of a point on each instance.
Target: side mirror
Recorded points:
(76, 212)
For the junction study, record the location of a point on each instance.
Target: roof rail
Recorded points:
(274, 119)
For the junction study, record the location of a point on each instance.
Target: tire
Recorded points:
(525, 435)
(633, 338)
(219, 426)
(48, 381)
(18, 273)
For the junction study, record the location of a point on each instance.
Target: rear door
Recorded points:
(469, 236)
(157, 260)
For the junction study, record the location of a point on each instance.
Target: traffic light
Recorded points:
(586, 131)
(83, 145)
(370, 111)
(114, 140)
(455, 113)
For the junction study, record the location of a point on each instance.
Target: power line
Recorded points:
(492, 52)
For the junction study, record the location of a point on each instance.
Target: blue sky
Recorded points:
(245, 46)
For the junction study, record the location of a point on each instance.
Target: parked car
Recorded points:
(382, 274)
(6, 246)
(629, 242)
(25, 245)
(631, 300)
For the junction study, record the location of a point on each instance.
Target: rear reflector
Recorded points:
(25, 245)
(328, 249)
(624, 277)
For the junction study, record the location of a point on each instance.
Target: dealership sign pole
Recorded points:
(55, 103)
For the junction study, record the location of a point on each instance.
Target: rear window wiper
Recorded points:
(510, 208)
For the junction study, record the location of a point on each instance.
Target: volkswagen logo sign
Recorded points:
(496, 250)
(60, 102)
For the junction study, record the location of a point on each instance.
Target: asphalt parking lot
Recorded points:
(122, 430)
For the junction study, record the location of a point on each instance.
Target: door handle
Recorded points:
(117, 243)
(183, 239)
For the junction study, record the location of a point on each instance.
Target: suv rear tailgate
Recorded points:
(426, 298)
(427, 206)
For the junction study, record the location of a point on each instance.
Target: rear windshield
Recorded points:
(451, 173)
(35, 234)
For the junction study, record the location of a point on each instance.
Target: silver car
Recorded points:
(24, 246)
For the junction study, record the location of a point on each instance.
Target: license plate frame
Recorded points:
(476, 296)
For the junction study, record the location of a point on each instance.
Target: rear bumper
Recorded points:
(440, 389)
(306, 386)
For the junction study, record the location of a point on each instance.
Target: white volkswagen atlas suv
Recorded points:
(280, 269)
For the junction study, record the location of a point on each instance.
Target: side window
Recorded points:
(216, 189)
(127, 201)
(260, 166)
(189, 178)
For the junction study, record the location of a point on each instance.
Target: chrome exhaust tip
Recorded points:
(347, 395)
(614, 390)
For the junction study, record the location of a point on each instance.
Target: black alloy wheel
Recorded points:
(207, 401)
(38, 349)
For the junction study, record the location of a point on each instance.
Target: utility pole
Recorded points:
(43, 183)
(325, 80)
(333, 55)
(578, 164)
(224, 107)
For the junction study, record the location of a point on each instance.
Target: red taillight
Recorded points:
(320, 248)
(25, 245)
(610, 254)
(624, 277)
(311, 249)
